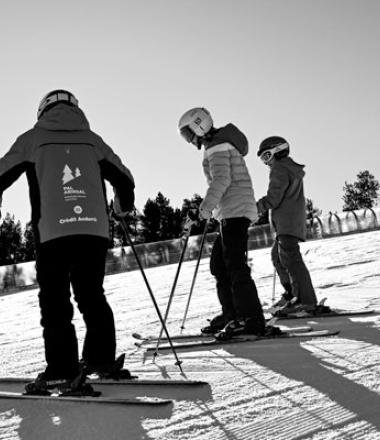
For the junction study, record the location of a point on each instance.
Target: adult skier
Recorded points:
(66, 164)
(285, 198)
(230, 199)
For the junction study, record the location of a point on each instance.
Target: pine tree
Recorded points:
(167, 224)
(361, 194)
(151, 221)
(159, 220)
(10, 240)
(29, 252)
(175, 224)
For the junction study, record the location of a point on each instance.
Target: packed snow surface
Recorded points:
(320, 389)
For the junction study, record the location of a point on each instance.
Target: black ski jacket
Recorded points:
(66, 164)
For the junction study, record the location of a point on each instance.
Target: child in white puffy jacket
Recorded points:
(230, 199)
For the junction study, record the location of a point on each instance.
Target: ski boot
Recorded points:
(243, 326)
(44, 385)
(272, 330)
(286, 298)
(216, 324)
(291, 307)
(298, 310)
(321, 309)
(113, 370)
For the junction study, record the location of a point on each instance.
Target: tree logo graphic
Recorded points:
(68, 174)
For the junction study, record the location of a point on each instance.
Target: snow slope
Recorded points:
(325, 388)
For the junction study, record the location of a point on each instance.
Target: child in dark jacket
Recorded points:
(285, 198)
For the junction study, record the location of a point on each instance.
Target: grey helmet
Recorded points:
(55, 97)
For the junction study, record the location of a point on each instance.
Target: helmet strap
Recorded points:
(199, 142)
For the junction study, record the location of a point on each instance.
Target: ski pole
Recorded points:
(125, 230)
(184, 247)
(274, 285)
(195, 275)
(273, 233)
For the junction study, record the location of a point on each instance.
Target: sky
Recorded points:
(306, 70)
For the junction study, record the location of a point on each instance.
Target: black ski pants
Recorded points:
(78, 261)
(236, 289)
(291, 269)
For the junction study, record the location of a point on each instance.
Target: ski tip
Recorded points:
(119, 362)
(153, 401)
(315, 333)
(272, 321)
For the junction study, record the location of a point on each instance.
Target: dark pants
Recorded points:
(79, 261)
(236, 289)
(291, 269)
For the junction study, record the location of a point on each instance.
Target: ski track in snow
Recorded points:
(317, 389)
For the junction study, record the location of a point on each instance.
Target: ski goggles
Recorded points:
(190, 137)
(268, 155)
(188, 134)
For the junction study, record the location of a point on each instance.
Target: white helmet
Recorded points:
(55, 97)
(195, 124)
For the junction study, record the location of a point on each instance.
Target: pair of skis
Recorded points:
(149, 401)
(200, 340)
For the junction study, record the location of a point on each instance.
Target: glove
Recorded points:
(204, 214)
(117, 208)
(261, 209)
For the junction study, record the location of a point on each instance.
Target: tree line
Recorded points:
(159, 221)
